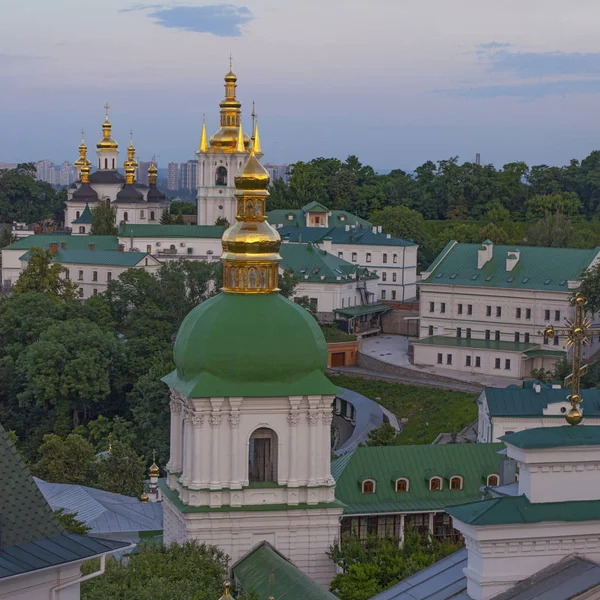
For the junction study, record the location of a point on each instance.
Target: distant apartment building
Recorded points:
(7, 166)
(142, 172)
(188, 175)
(46, 171)
(278, 172)
(173, 176)
(67, 174)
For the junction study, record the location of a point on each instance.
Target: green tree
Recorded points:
(182, 208)
(196, 571)
(43, 276)
(68, 460)
(590, 288)
(541, 205)
(288, 281)
(493, 233)
(166, 218)
(104, 219)
(102, 431)
(222, 222)
(6, 237)
(553, 231)
(384, 435)
(121, 470)
(70, 522)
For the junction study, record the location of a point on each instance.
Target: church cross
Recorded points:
(230, 61)
(106, 108)
(577, 333)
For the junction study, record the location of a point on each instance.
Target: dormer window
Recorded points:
(435, 484)
(402, 485)
(493, 480)
(456, 483)
(368, 486)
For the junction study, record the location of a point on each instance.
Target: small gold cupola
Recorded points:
(81, 161)
(107, 144)
(130, 165)
(251, 246)
(152, 173)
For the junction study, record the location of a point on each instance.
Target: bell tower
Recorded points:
(107, 150)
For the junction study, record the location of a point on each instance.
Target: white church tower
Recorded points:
(221, 159)
(251, 408)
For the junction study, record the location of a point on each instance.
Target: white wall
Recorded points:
(201, 247)
(38, 584)
(331, 296)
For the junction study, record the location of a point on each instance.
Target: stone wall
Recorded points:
(396, 323)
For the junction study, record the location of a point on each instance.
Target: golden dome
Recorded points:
(254, 176)
(107, 144)
(82, 160)
(154, 471)
(231, 77)
(144, 496)
(574, 416)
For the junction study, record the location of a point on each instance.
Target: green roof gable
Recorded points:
(297, 218)
(71, 242)
(358, 236)
(312, 264)
(171, 231)
(513, 510)
(111, 258)
(555, 437)
(417, 463)
(252, 572)
(86, 216)
(314, 207)
(538, 268)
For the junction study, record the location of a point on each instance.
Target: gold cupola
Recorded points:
(152, 173)
(107, 144)
(226, 139)
(251, 246)
(82, 160)
(130, 165)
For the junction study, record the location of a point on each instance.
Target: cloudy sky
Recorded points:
(396, 82)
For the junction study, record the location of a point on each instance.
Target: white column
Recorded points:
(234, 421)
(197, 420)
(313, 420)
(175, 458)
(187, 448)
(431, 515)
(215, 423)
(293, 420)
(326, 441)
(402, 530)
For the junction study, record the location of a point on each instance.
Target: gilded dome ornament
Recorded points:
(107, 144)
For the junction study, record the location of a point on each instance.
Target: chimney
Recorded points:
(537, 387)
(484, 254)
(63, 245)
(326, 243)
(91, 246)
(512, 259)
(379, 228)
(121, 247)
(53, 247)
(374, 229)
(347, 228)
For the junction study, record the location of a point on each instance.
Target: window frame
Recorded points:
(365, 483)
(440, 480)
(461, 481)
(398, 482)
(487, 480)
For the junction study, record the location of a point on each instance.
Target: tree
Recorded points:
(41, 275)
(370, 566)
(288, 281)
(222, 222)
(542, 205)
(182, 208)
(121, 470)
(590, 288)
(166, 218)
(553, 231)
(70, 522)
(384, 435)
(493, 233)
(7, 237)
(104, 219)
(196, 571)
(69, 460)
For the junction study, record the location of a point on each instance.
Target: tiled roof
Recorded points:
(357, 236)
(519, 402)
(418, 463)
(312, 264)
(555, 437)
(72, 242)
(548, 269)
(511, 510)
(454, 342)
(252, 572)
(103, 512)
(171, 231)
(297, 217)
(110, 258)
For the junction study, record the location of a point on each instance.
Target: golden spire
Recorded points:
(85, 172)
(152, 173)
(240, 140)
(256, 141)
(81, 161)
(251, 246)
(153, 471)
(203, 139)
(107, 144)
(130, 165)
(144, 496)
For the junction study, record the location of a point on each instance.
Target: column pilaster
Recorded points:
(313, 420)
(197, 422)
(175, 459)
(326, 440)
(187, 448)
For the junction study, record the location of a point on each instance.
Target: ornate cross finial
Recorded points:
(230, 61)
(153, 456)
(131, 136)
(106, 108)
(82, 134)
(253, 118)
(577, 332)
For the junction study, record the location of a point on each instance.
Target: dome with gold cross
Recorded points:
(107, 144)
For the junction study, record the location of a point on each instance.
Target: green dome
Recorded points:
(249, 345)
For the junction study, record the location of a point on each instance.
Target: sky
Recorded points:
(395, 82)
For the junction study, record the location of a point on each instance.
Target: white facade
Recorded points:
(165, 248)
(209, 468)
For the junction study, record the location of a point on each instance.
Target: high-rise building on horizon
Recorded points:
(188, 175)
(281, 171)
(46, 171)
(173, 176)
(142, 171)
(67, 174)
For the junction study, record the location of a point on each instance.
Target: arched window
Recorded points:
(152, 215)
(106, 163)
(456, 483)
(141, 214)
(435, 484)
(221, 176)
(113, 163)
(81, 229)
(402, 485)
(368, 486)
(125, 216)
(77, 215)
(493, 480)
(262, 455)
(172, 247)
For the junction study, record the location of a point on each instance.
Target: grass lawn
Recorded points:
(430, 411)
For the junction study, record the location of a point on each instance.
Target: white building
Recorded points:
(509, 410)
(482, 307)
(188, 178)
(222, 158)
(279, 172)
(135, 203)
(173, 176)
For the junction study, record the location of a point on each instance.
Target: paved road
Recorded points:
(393, 378)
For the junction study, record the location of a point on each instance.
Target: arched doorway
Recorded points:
(262, 455)
(221, 176)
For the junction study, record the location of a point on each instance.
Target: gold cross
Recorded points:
(577, 332)
(106, 108)
(230, 61)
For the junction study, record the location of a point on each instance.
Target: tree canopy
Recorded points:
(104, 219)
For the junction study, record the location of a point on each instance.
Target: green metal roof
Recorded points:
(297, 218)
(542, 352)
(252, 573)
(555, 437)
(171, 231)
(314, 206)
(86, 216)
(250, 345)
(368, 309)
(320, 266)
(548, 269)
(442, 340)
(110, 258)
(385, 464)
(71, 242)
(357, 236)
(519, 402)
(512, 510)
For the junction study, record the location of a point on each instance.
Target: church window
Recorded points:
(384, 276)
(493, 480)
(395, 257)
(354, 257)
(456, 483)
(113, 163)
(385, 259)
(81, 229)
(80, 276)
(106, 163)
(368, 257)
(109, 276)
(125, 216)
(263, 278)
(141, 214)
(81, 292)
(221, 176)
(262, 459)
(77, 215)
(368, 486)
(149, 248)
(95, 292)
(435, 484)
(393, 294)
(394, 276)
(152, 215)
(94, 275)
(172, 247)
(67, 274)
(402, 485)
